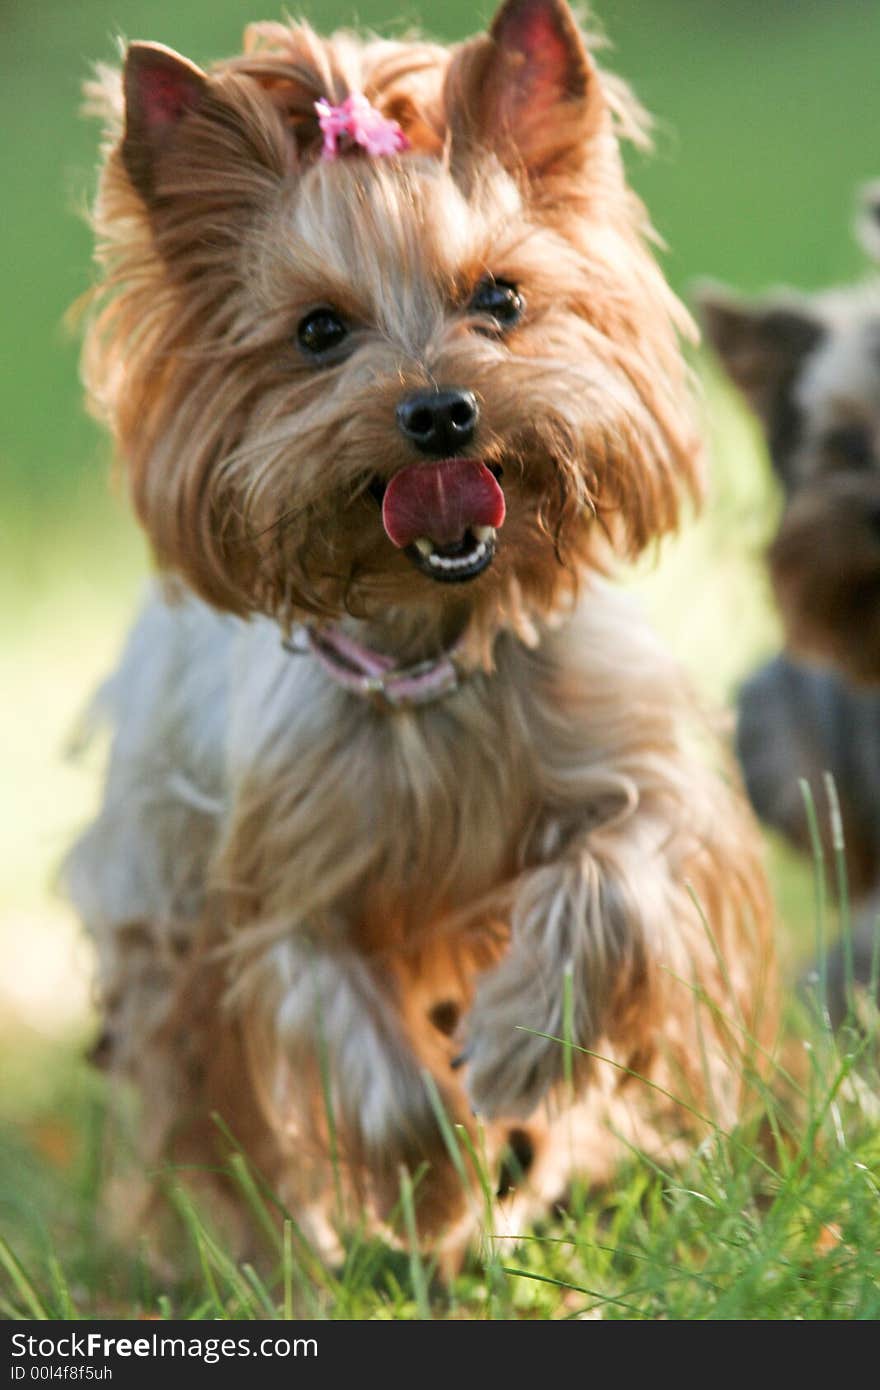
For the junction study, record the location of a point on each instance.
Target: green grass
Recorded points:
(777, 1219)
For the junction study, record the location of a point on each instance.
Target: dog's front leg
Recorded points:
(328, 1006)
(602, 912)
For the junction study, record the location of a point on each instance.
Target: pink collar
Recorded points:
(373, 675)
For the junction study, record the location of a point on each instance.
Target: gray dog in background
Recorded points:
(808, 366)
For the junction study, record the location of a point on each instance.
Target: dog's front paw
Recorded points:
(510, 1065)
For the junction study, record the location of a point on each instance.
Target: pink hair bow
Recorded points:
(362, 123)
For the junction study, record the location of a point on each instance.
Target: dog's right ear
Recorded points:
(160, 90)
(762, 344)
(188, 135)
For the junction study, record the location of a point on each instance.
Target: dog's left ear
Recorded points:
(527, 90)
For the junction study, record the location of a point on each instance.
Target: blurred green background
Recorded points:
(768, 118)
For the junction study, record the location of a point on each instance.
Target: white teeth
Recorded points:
(458, 562)
(483, 536)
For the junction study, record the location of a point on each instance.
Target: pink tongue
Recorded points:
(440, 501)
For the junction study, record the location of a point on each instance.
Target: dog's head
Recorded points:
(809, 367)
(438, 378)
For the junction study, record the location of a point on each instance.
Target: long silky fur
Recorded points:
(285, 881)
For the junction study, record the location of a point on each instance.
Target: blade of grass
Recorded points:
(820, 894)
(601, 1298)
(243, 1176)
(568, 1029)
(213, 1259)
(416, 1265)
(838, 847)
(26, 1291)
(287, 1271)
(260, 1290)
(61, 1290)
(453, 1147)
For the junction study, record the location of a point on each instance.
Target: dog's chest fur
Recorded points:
(396, 817)
(303, 805)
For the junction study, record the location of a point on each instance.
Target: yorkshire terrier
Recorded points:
(809, 368)
(405, 806)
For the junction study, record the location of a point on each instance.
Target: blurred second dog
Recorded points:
(809, 368)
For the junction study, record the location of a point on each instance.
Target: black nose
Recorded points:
(439, 422)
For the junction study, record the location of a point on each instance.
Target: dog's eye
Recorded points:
(851, 446)
(498, 300)
(320, 332)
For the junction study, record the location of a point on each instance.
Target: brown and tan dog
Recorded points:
(396, 772)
